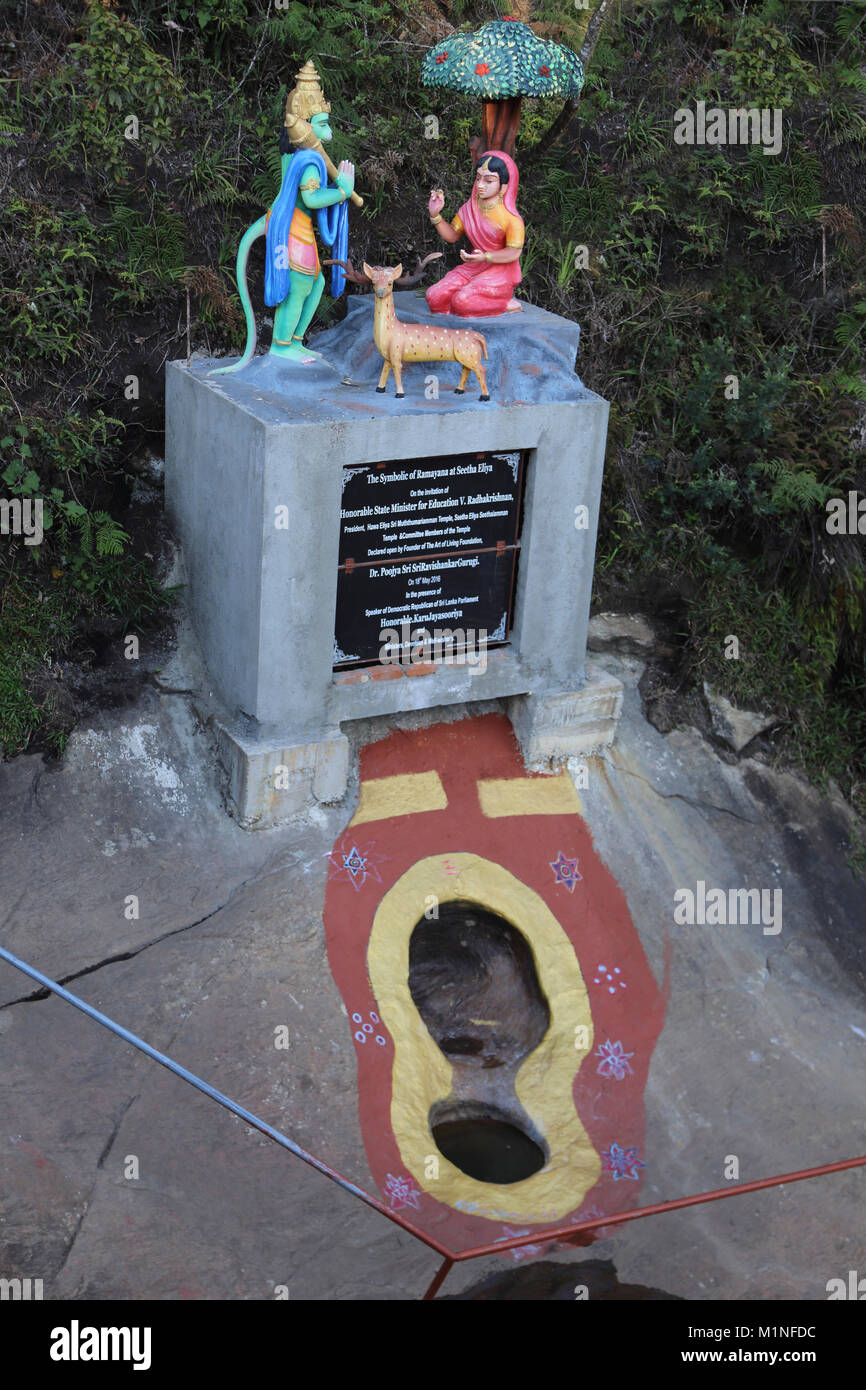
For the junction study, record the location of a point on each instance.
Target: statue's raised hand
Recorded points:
(346, 176)
(437, 201)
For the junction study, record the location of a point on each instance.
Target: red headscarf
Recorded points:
(509, 196)
(470, 214)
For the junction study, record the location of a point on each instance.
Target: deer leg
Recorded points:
(383, 375)
(460, 388)
(398, 377)
(482, 381)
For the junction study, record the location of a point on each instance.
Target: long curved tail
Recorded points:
(249, 236)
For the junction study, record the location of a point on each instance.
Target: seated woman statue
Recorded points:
(484, 284)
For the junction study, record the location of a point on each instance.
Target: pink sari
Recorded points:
(481, 290)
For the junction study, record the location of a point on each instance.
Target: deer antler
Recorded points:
(407, 281)
(404, 283)
(351, 273)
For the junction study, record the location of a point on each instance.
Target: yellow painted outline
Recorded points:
(422, 1075)
(405, 794)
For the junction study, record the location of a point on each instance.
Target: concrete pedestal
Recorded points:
(254, 475)
(563, 726)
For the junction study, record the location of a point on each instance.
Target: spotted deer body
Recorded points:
(419, 342)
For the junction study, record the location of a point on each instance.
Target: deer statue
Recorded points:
(417, 342)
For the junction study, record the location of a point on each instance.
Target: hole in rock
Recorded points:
(473, 981)
(461, 1046)
(488, 1147)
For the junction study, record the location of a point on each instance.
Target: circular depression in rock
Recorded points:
(472, 978)
(488, 1148)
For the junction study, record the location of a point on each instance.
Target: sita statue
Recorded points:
(293, 275)
(484, 284)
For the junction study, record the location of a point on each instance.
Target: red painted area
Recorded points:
(39, 1159)
(594, 916)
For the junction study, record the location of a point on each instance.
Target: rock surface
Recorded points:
(119, 1181)
(530, 358)
(593, 1280)
(621, 632)
(736, 726)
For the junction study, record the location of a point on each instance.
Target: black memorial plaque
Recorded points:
(427, 544)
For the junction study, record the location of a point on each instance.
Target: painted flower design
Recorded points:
(366, 1030)
(402, 1192)
(441, 57)
(609, 979)
(521, 1252)
(482, 69)
(614, 1061)
(544, 70)
(588, 1214)
(621, 1163)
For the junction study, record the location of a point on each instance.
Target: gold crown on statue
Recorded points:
(306, 99)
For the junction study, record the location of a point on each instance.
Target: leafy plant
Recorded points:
(266, 182)
(710, 269)
(113, 93)
(646, 136)
(764, 68)
(153, 246)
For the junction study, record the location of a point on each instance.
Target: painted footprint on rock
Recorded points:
(474, 983)
(478, 953)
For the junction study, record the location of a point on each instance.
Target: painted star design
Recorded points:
(402, 1192)
(357, 864)
(621, 1163)
(565, 871)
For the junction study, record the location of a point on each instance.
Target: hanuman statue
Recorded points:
(293, 275)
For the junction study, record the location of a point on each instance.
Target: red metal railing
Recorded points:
(637, 1212)
(450, 1257)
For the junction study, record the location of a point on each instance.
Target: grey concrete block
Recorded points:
(552, 727)
(246, 452)
(269, 783)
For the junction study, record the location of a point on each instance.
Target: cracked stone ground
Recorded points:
(762, 1054)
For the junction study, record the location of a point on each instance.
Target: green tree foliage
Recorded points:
(704, 266)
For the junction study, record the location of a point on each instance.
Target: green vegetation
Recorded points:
(723, 305)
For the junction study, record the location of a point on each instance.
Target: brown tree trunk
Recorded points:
(500, 123)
